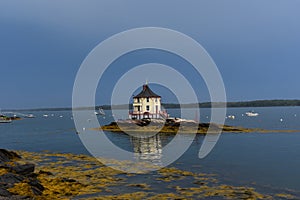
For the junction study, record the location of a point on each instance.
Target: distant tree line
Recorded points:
(264, 103)
(257, 103)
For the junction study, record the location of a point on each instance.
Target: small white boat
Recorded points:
(251, 114)
(45, 115)
(30, 116)
(100, 112)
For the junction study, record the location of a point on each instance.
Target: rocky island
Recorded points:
(173, 125)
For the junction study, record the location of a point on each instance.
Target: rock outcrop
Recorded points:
(14, 172)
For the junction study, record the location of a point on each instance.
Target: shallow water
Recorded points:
(269, 162)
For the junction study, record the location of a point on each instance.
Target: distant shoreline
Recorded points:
(239, 104)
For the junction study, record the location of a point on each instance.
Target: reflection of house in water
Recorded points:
(148, 149)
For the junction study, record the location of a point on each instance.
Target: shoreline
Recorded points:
(67, 176)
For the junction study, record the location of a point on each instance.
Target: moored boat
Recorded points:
(100, 112)
(30, 116)
(251, 114)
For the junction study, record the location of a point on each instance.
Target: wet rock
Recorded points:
(6, 156)
(45, 173)
(4, 193)
(14, 175)
(36, 187)
(25, 169)
(36, 191)
(69, 180)
(11, 178)
(199, 182)
(15, 197)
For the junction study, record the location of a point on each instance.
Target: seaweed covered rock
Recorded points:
(15, 176)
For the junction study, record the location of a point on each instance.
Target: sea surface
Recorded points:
(269, 162)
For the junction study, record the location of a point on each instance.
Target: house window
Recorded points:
(147, 108)
(147, 99)
(138, 100)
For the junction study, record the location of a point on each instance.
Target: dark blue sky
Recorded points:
(255, 44)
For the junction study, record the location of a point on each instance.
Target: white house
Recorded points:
(147, 104)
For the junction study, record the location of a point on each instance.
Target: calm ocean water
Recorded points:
(269, 161)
